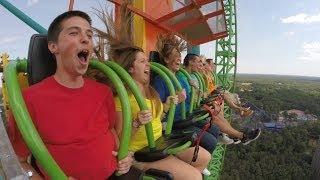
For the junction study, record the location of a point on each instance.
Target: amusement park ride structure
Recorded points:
(197, 21)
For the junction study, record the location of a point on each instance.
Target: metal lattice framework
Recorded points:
(226, 60)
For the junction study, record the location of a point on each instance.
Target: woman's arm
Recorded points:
(118, 125)
(174, 99)
(143, 118)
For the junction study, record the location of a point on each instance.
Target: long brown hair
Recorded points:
(119, 36)
(167, 43)
(117, 40)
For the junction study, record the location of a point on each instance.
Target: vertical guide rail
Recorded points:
(226, 60)
(23, 17)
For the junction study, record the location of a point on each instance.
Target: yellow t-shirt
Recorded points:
(139, 139)
(210, 83)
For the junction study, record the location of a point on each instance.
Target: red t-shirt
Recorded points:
(75, 126)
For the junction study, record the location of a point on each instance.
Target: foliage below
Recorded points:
(283, 155)
(286, 154)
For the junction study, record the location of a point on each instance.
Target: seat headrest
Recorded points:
(154, 56)
(41, 62)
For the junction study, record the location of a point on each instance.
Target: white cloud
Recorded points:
(311, 51)
(6, 40)
(32, 2)
(301, 18)
(289, 33)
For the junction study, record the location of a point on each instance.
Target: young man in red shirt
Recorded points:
(73, 115)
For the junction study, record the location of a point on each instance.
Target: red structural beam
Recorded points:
(210, 38)
(195, 4)
(201, 19)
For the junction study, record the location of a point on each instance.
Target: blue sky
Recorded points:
(274, 37)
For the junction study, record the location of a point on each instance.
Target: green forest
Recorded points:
(277, 93)
(284, 154)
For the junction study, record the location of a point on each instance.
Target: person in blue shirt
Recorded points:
(170, 48)
(184, 95)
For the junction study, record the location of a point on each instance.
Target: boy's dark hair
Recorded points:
(189, 56)
(55, 27)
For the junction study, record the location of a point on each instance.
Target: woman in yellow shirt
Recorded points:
(138, 67)
(138, 136)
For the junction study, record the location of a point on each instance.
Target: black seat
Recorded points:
(191, 120)
(163, 144)
(136, 174)
(154, 56)
(41, 62)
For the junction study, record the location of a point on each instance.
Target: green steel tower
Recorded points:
(226, 61)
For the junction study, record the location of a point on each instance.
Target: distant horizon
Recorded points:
(293, 75)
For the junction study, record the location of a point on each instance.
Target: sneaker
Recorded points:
(224, 139)
(246, 112)
(236, 141)
(206, 172)
(250, 135)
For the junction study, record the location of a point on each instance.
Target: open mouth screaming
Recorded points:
(147, 71)
(83, 56)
